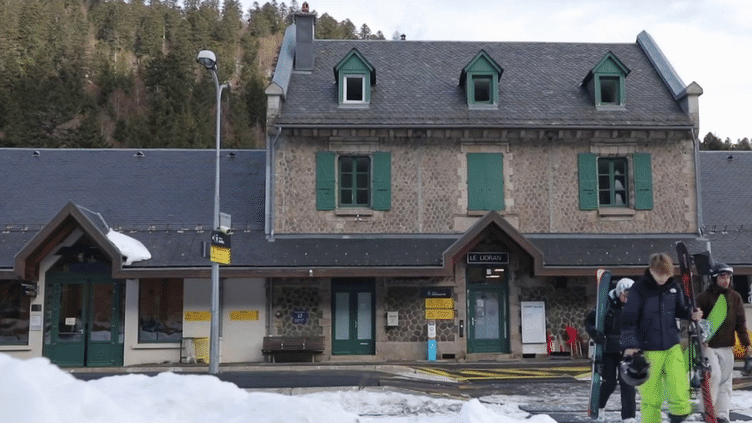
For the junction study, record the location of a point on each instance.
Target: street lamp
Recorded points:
(208, 59)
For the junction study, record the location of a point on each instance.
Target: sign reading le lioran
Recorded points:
(220, 248)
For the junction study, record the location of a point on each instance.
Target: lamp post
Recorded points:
(209, 60)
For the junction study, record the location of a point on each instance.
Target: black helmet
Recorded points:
(718, 268)
(634, 369)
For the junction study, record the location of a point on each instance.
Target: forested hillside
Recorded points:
(91, 74)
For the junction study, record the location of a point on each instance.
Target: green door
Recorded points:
(84, 320)
(488, 313)
(353, 317)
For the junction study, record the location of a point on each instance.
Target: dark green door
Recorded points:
(353, 317)
(488, 313)
(84, 320)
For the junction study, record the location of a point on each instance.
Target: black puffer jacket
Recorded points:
(648, 321)
(611, 327)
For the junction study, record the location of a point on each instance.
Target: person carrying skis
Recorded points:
(649, 324)
(720, 353)
(612, 351)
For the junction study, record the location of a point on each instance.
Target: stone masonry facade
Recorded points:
(428, 180)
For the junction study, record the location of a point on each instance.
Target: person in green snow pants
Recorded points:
(649, 324)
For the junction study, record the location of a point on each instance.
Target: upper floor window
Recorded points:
(612, 182)
(606, 82)
(608, 182)
(353, 181)
(354, 76)
(480, 79)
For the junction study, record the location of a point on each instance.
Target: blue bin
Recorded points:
(432, 350)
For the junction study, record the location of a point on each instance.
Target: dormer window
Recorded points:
(480, 79)
(605, 83)
(354, 76)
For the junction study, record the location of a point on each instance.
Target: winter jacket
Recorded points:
(649, 317)
(611, 327)
(735, 320)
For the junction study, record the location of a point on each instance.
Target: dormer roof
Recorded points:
(355, 61)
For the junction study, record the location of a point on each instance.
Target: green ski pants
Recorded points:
(668, 379)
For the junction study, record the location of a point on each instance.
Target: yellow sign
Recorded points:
(439, 303)
(197, 316)
(439, 314)
(220, 254)
(244, 315)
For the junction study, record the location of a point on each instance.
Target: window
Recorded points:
(354, 89)
(160, 310)
(353, 180)
(612, 182)
(480, 79)
(609, 92)
(14, 314)
(482, 89)
(485, 181)
(354, 76)
(605, 82)
(605, 181)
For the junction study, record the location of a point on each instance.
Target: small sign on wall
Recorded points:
(244, 315)
(300, 317)
(197, 316)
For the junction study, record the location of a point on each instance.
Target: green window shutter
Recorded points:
(382, 181)
(643, 181)
(485, 181)
(325, 181)
(588, 174)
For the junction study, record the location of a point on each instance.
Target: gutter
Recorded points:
(698, 189)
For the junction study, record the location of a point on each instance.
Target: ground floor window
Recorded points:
(14, 314)
(160, 310)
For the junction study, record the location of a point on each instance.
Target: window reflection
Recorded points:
(160, 312)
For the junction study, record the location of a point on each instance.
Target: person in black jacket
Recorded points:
(612, 351)
(649, 324)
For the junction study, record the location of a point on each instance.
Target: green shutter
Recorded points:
(325, 181)
(643, 181)
(588, 174)
(382, 181)
(485, 181)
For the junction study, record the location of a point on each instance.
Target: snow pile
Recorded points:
(131, 248)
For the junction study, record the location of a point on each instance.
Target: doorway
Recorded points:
(84, 320)
(353, 317)
(487, 309)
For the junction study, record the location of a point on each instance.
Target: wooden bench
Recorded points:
(292, 346)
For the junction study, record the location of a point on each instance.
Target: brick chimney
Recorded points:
(304, 23)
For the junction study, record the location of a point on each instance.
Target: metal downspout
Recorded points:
(269, 203)
(698, 189)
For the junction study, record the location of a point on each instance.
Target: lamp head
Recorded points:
(208, 59)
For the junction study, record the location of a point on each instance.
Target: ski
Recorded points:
(603, 282)
(699, 367)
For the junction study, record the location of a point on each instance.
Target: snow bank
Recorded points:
(131, 248)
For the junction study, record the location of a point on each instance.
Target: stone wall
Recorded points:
(564, 307)
(289, 298)
(412, 323)
(429, 191)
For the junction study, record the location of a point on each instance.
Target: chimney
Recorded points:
(304, 22)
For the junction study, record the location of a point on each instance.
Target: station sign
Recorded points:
(488, 258)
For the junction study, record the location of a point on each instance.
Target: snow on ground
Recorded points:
(35, 391)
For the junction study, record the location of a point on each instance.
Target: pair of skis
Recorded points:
(699, 366)
(603, 278)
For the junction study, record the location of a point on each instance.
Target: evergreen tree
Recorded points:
(365, 32)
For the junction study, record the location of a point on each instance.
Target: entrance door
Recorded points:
(487, 308)
(353, 317)
(84, 320)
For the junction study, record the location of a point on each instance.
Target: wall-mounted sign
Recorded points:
(197, 316)
(439, 303)
(244, 315)
(488, 258)
(436, 292)
(439, 314)
(300, 317)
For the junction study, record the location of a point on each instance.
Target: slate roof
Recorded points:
(418, 85)
(726, 195)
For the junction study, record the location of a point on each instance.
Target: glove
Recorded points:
(598, 337)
